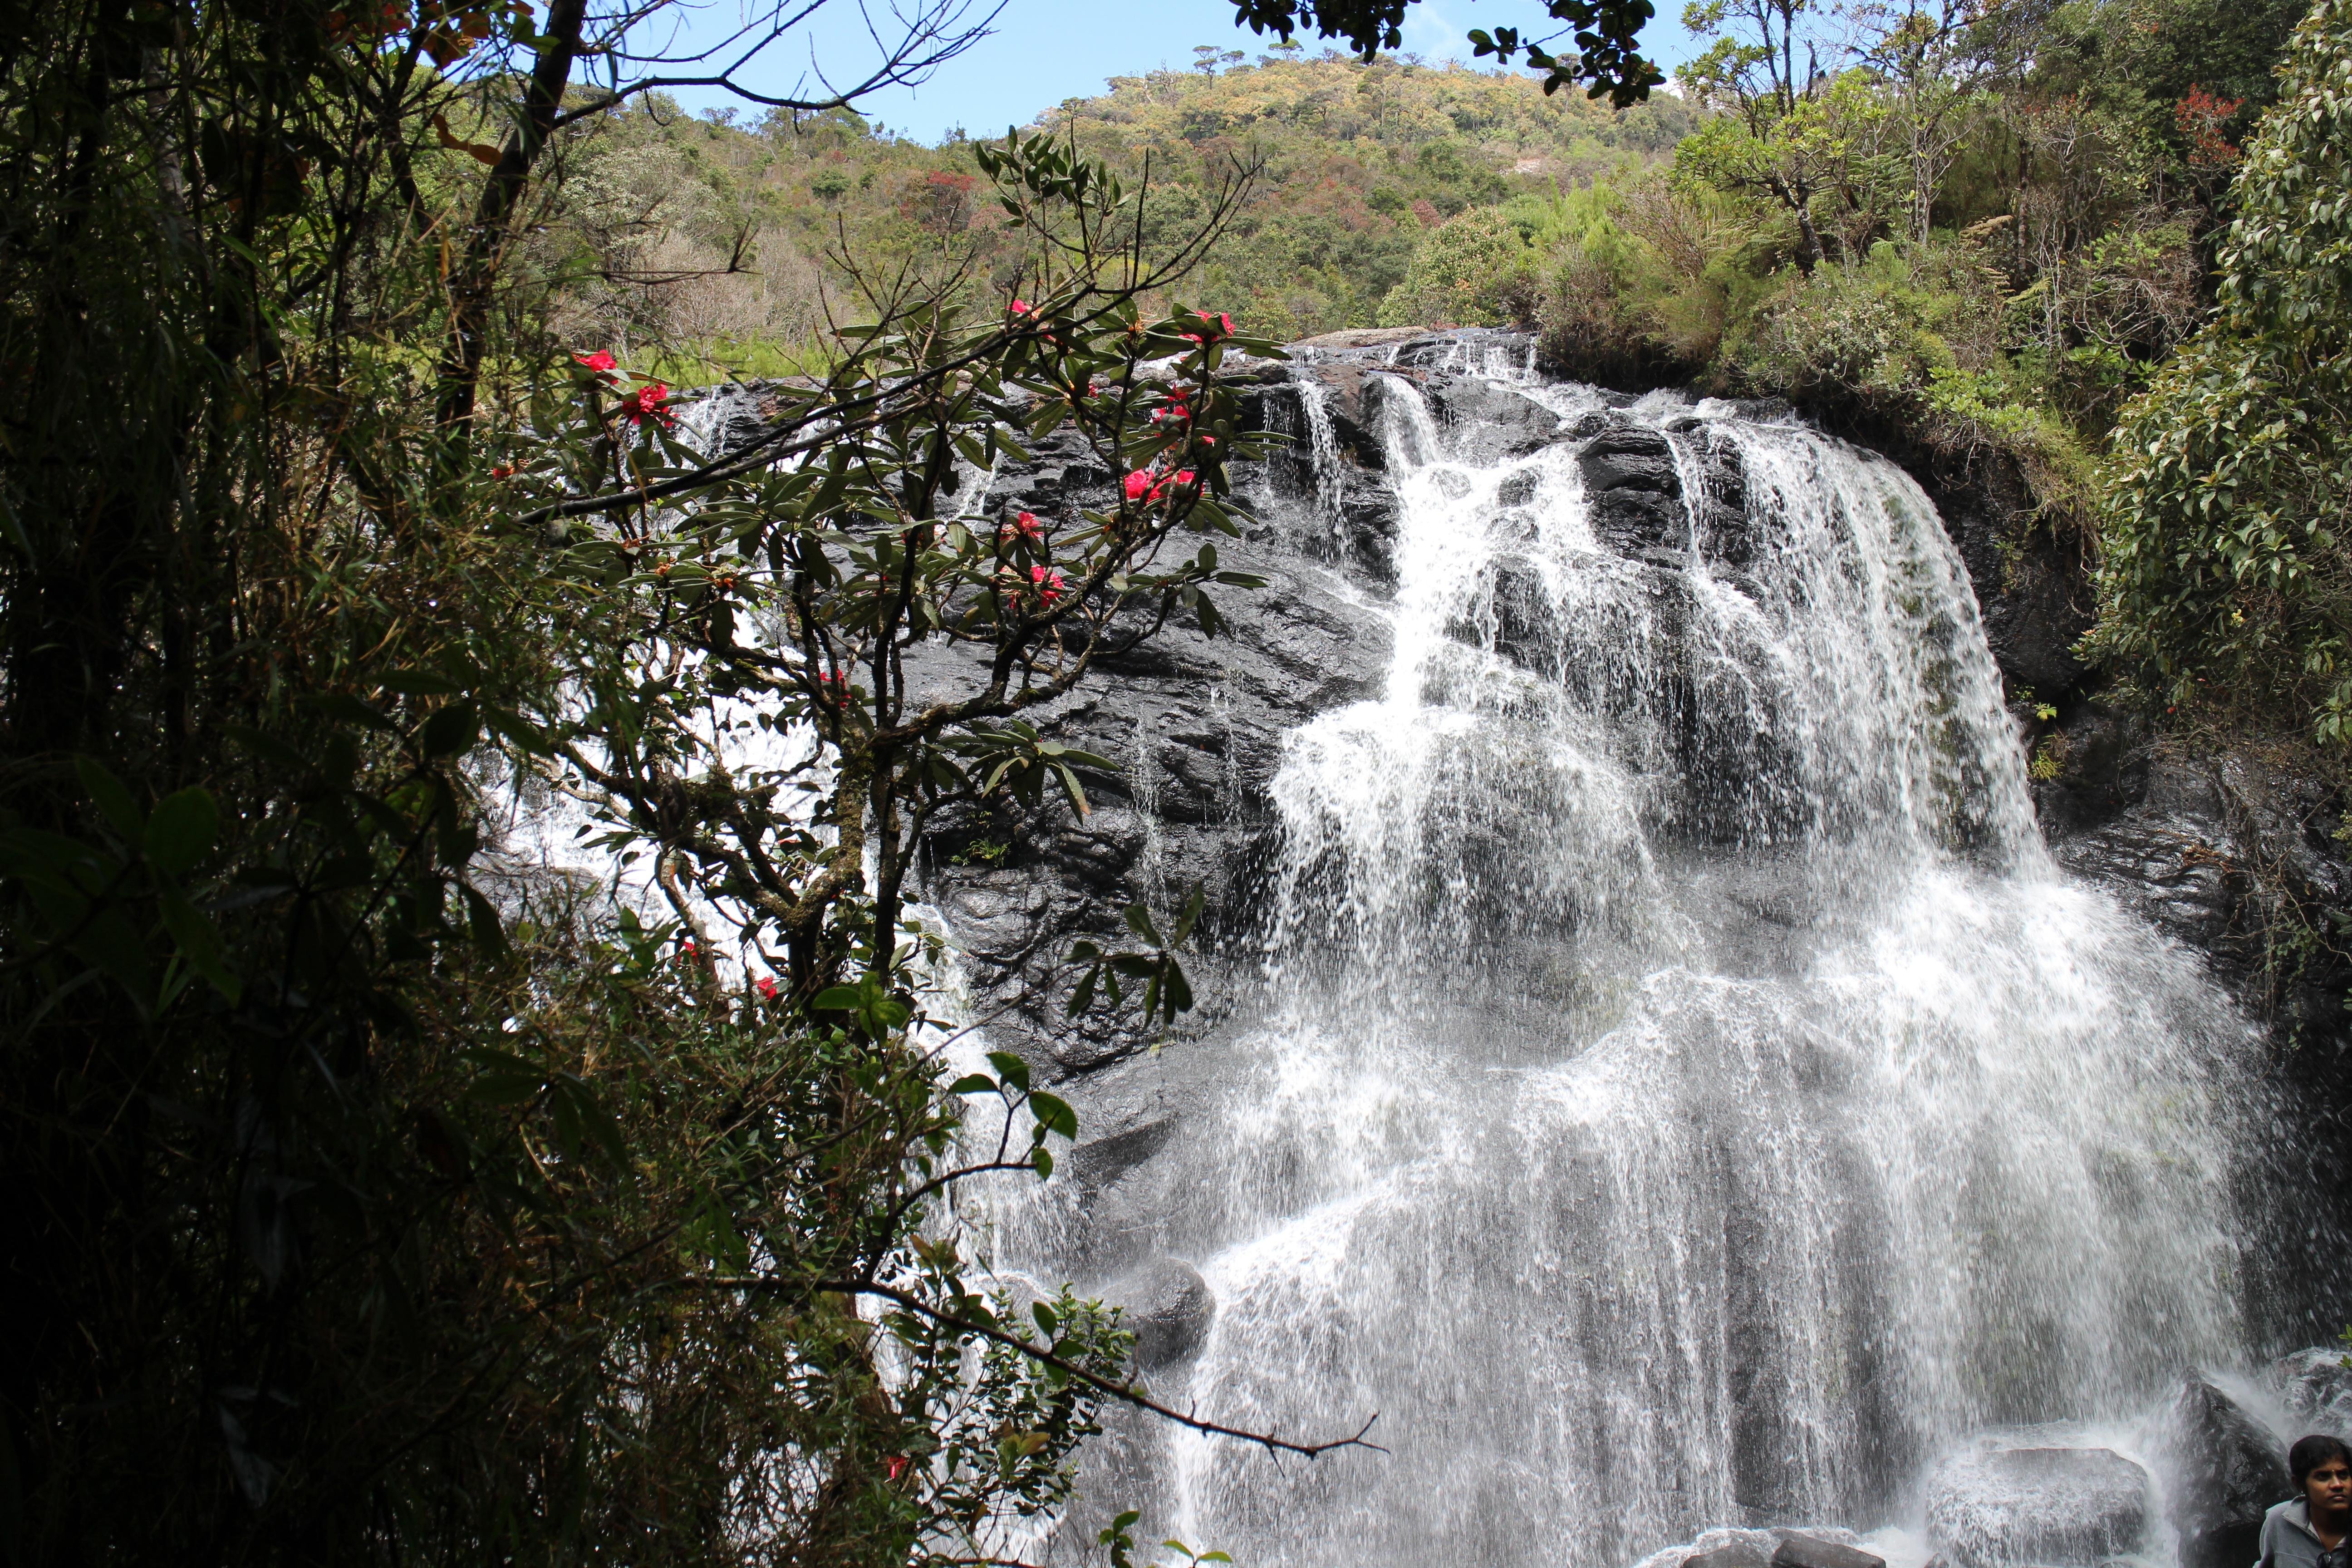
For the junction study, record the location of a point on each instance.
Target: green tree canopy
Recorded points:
(2227, 519)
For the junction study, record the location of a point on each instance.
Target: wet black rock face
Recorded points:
(2316, 1386)
(1196, 725)
(2225, 1470)
(2233, 849)
(1632, 490)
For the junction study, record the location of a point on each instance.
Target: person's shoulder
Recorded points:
(2282, 1517)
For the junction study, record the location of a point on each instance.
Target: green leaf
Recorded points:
(1072, 789)
(835, 999)
(339, 705)
(1054, 1114)
(1046, 1322)
(1011, 1069)
(112, 798)
(1185, 921)
(180, 833)
(973, 1083)
(199, 942)
(504, 1078)
(418, 683)
(482, 921)
(450, 731)
(594, 1117)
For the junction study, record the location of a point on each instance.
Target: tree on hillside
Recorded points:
(1936, 58)
(1607, 33)
(1788, 129)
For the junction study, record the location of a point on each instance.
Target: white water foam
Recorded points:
(1689, 1096)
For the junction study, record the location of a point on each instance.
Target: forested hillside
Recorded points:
(1351, 167)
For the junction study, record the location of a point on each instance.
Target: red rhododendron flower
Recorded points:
(1217, 326)
(1021, 306)
(1049, 583)
(602, 363)
(2201, 117)
(501, 470)
(648, 401)
(1025, 525)
(896, 1465)
(767, 986)
(1138, 483)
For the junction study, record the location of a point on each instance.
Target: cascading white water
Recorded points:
(1688, 1096)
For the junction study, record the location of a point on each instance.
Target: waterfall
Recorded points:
(1683, 1093)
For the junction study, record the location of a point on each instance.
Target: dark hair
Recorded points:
(2309, 1453)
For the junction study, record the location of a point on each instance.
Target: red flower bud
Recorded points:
(648, 401)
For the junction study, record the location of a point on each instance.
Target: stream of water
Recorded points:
(1687, 1094)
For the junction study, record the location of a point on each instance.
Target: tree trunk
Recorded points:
(470, 287)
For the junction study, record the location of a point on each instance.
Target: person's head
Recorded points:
(2322, 1469)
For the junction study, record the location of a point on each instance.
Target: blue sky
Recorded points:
(1043, 51)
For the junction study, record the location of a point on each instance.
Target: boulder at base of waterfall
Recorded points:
(2050, 1507)
(2317, 1385)
(1169, 1306)
(1738, 1554)
(2225, 1470)
(1801, 1551)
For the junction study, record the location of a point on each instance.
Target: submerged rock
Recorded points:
(1490, 421)
(1169, 1306)
(2037, 1507)
(2225, 1470)
(1739, 1554)
(1801, 1551)
(1818, 1547)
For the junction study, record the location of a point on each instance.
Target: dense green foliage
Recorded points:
(1607, 33)
(382, 1189)
(2227, 522)
(1976, 231)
